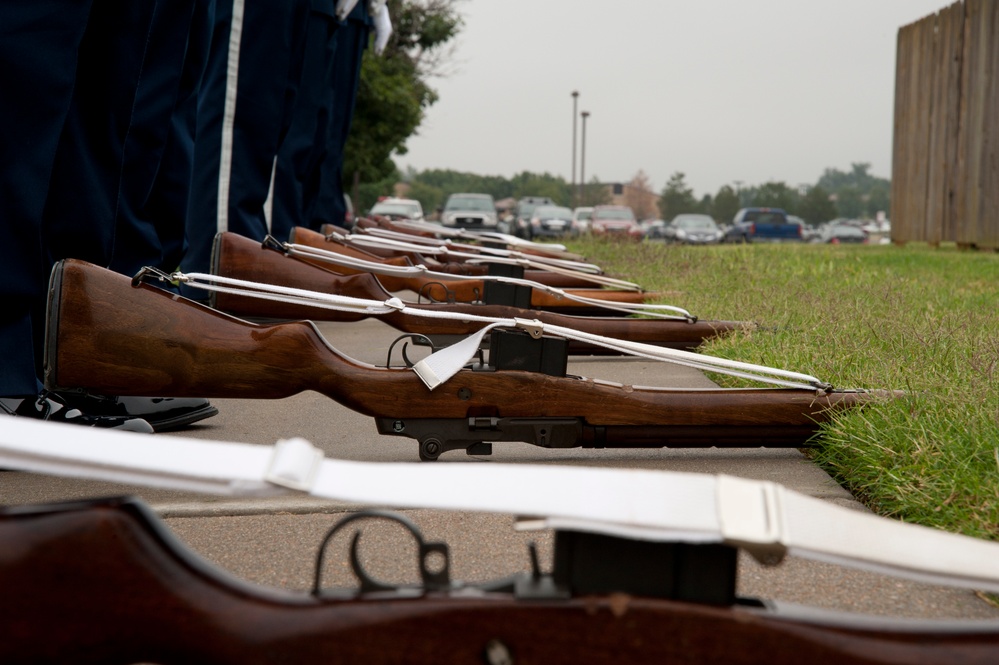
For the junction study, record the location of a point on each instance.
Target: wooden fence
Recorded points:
(945, 171)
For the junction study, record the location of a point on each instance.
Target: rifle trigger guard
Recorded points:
(427, 290)
(418, 339)
(433, 578)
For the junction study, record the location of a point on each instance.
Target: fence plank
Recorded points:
(945, 171)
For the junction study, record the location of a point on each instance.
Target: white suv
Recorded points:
(469, 211)
(404, 208)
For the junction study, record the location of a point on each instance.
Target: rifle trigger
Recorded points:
(482, 423)
(534, 327)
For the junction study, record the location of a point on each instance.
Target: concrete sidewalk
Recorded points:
(274, 541)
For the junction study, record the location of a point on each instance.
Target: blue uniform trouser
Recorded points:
(352, 39)
(68, 72)
(256, 50)
(159, 150)
(297, 175)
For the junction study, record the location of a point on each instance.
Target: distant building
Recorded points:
(643, 202)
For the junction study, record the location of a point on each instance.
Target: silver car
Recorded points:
(692, 229)
(552, 222)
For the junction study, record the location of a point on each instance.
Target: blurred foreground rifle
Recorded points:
(114, 336)
(469, 291)
(237, 257)
(644, 569)
(137, 594)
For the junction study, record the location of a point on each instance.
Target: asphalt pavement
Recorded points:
(274, 541)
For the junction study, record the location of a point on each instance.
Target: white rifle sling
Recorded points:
(655, 505)
(445, 363)
(479, 235)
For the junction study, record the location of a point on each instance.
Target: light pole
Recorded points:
(582, 159)
(575, 98)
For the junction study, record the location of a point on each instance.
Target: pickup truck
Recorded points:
(763, 225)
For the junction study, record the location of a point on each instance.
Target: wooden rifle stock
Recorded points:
(106, 582)
(472, 290)
(238, 257)
(111, 337)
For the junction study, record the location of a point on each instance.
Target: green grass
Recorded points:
(915, 318)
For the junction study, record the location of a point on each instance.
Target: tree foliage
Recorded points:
(594, 193)
(816, 207)
(543, 184)
(393, 93)
(815, 204)
(677, 197)
(726, 203)
(857, 193)
(639, 196)
(776, 195)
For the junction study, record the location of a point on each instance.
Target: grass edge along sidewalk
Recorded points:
(915, 318)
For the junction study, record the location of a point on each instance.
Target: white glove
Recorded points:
(374, 6)
(343, 8)
(383, 27)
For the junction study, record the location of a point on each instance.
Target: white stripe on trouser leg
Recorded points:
(229, 114)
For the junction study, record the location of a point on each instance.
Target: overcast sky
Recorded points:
(722, 90)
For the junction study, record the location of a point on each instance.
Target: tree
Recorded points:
(849, 201)
(725, 205)
(857, 192)
(430, 197)
(638, 195)
(776, 195)
(676, 197)
(393, 92)
(594, 193)
(543, 184)
(816, 206)
(879, 199)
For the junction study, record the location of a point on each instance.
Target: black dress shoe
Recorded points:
(49, 406)
(163, 413)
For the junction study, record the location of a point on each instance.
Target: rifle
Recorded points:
(117, 336)
(237, 257)
(614, 593)
(473, 290)
(450, 264)
(484, 238)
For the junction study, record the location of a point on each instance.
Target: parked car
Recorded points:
(692, 229)
(552, 222)
(398, 208)
(837, 234)
(763, 225)
(469, 211)
(581, 218)
(653, 228)
(521, 222)
(616, 221)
